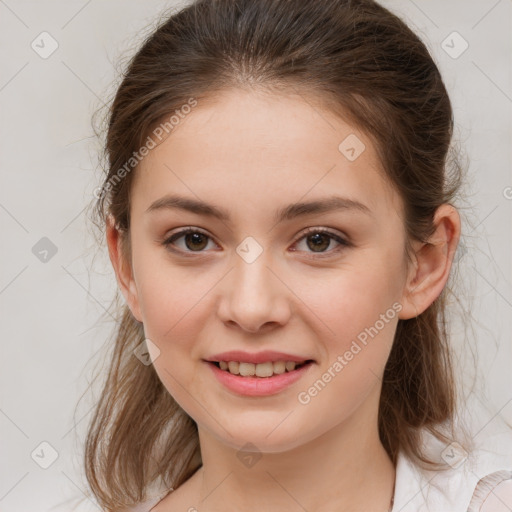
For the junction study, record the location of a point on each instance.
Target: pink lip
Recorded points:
(258, 386)
(259, 357)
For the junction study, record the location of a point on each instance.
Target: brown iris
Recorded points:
(196, 241)
(319, 241)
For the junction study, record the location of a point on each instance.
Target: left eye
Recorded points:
(318, 240)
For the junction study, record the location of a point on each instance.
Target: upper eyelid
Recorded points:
(315, 229)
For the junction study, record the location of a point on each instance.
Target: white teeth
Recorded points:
(260, 370)
(279, 367)
(233, 367)
(247, 369)
(264, 369)
(290, 365)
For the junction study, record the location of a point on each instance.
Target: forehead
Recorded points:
(261, 146)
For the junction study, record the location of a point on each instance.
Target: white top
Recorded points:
(480, 481)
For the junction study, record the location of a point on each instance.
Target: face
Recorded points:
(320, 285)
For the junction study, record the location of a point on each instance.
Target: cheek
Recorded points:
(173, 321)
(175, 304)
(353, 304)
(170, 296)
(357, 315)
(173, 318)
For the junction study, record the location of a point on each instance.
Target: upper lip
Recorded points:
(257, 357)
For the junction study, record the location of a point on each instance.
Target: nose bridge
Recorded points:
(252, 273)
(254, 295)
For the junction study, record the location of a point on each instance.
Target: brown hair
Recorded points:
(356, 58)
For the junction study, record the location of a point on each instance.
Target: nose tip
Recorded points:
(254, 299)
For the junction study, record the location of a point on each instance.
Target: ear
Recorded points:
(122, 267)
(432, 263)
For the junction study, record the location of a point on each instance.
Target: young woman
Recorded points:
(279, 214)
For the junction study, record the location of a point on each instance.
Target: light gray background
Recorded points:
(51, 310)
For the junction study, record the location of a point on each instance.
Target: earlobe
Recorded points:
(432, 264)
(122, 267)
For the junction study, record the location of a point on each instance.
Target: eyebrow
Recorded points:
(289, 212)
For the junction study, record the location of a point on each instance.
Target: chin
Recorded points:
(263, 438)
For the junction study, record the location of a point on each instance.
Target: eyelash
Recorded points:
(309, 231)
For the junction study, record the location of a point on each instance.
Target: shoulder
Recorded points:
(478, 480)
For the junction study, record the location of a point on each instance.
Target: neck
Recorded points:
(332, 472)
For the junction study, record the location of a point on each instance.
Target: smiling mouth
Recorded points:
(260, 370)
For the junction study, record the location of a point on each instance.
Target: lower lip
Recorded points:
(258, 386)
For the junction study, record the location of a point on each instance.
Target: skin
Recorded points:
(253, 153)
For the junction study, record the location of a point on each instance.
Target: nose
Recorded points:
(254, 296)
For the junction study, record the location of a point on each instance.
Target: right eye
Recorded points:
(194, 240)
